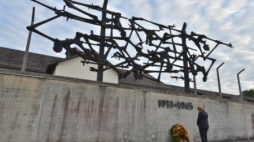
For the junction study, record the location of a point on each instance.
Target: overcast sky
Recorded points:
(230, 21)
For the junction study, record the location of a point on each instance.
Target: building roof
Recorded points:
(12, 59)
(130, 80)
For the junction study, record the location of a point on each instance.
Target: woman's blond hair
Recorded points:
(200, 108)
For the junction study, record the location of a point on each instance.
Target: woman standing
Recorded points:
(202, 123)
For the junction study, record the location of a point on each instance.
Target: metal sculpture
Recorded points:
(163, 52)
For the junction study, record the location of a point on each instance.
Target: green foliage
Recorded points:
(248, 93)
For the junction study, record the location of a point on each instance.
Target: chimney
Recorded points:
(72, 52)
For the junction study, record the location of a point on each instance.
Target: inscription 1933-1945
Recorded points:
(171, 104)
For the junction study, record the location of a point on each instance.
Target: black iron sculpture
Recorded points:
(163, 52)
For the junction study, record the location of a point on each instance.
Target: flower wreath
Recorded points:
(179, 133)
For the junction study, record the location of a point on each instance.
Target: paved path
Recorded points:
(241, 141)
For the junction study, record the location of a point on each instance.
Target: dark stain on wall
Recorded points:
(126, 103)
(145, 105)
(101, 105)
(144, 97)
(78, 105)
(116, 119)
(53, 113)
(85, 107)
(89, 109)
(66, 109)
(36, 108)
(14, 123)
(2, 105)
(13, 126)
(101, 112)
(253, 123)
(133, 113)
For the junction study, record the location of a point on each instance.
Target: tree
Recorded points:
(249, 93)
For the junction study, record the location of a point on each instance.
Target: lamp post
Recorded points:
(218, 77)
(23, 68)
(239, 84)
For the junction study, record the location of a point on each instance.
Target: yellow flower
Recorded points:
(179, 132)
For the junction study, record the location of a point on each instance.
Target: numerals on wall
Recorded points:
(171, 104)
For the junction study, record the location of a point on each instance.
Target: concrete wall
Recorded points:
(49, 109)
(74, 68)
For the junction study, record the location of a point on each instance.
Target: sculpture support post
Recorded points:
(218, 77)
(195, 85)
(23, 68)
(185, 59)
(239, 84)
(101, 59)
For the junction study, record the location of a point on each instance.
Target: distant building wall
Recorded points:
(74, 68)
(48, 109)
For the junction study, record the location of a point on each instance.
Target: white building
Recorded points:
(72, 67)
